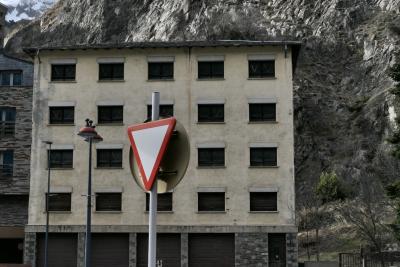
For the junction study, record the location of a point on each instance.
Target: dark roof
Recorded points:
(14, 58)
(3, 6)
(172, 44)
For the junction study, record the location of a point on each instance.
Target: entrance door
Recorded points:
(277, 250)
(168, 250)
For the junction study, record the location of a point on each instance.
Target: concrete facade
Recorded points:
(185, 91)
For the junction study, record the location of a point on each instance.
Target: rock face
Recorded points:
(343, 110)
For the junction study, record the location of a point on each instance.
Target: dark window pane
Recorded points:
(7, 163)
(209, 70)
(263, 201)
(211, 157)
(109, 158)
(211, 201)
(263, 156)
(164, 202)
(62, 115)
(166, 111)
(17, 78)
(113, 71)
(164, 70)
(262, 112)
(5, 78)
(110, 114)
(61, 158)
(261, 68)
(59, 202)
(211, 113)
(7, 122)
(108, 201)
(63, 72)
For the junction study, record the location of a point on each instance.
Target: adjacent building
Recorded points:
(16, 78)
(236, 203)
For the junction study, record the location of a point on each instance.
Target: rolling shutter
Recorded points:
(110, 250)
(62, 250)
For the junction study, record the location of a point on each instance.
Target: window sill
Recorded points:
(58, 212)
(63, 81)
(210, 79)
(60, 169)
(211, 122)
(262, 78)
(109, 212)
(211, 167)
(264, 211)
(162, 212)
(211, 212)
(160, 80)
(61, 124)
(263, 122)
(263, 167)
(111, 81)
(110, 124)
(109, 168)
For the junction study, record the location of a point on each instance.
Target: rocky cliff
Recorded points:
(343, 111)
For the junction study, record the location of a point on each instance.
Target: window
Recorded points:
(62, 115)
(263, 156)
(63, 72)
(211, 201)
(263, 201)
(166, 111)
(211, 113)
(61, 158)
(164, 202)
(6, 163)
(110, 114)
(7, 122)
(59, 202)
(11, 77)
(261, 68)
(211, 157)
(211, 70)
(161, 70)
(111, 71)
(262, 112)
(108, 201)
(109, 158)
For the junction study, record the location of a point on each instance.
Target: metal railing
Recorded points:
(7, 128)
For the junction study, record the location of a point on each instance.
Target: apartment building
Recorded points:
(236, 204)
(16, 78)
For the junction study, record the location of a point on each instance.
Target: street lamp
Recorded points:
(90, 135)
(46, 240)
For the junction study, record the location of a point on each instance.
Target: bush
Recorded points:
(330, 188)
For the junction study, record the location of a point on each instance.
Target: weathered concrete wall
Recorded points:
(21, 99)
(184, 92)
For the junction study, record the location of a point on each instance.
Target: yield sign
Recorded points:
(149, 142)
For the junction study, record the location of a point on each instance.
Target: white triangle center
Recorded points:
(148, 143)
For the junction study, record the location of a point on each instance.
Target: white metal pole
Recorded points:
(155, 114)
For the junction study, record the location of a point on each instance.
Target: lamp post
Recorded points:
(90, 135)
(46, 240)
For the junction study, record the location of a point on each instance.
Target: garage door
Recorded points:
(62, 250)
(110, 250)
(216, 250)
(168, 250)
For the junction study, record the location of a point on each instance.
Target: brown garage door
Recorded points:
(168, 250)
(62, 250)
(213, 250)
(110, 250)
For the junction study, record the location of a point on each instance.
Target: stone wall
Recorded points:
(13, 210)
(21, 99)
(291, 250)
(251, 249)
